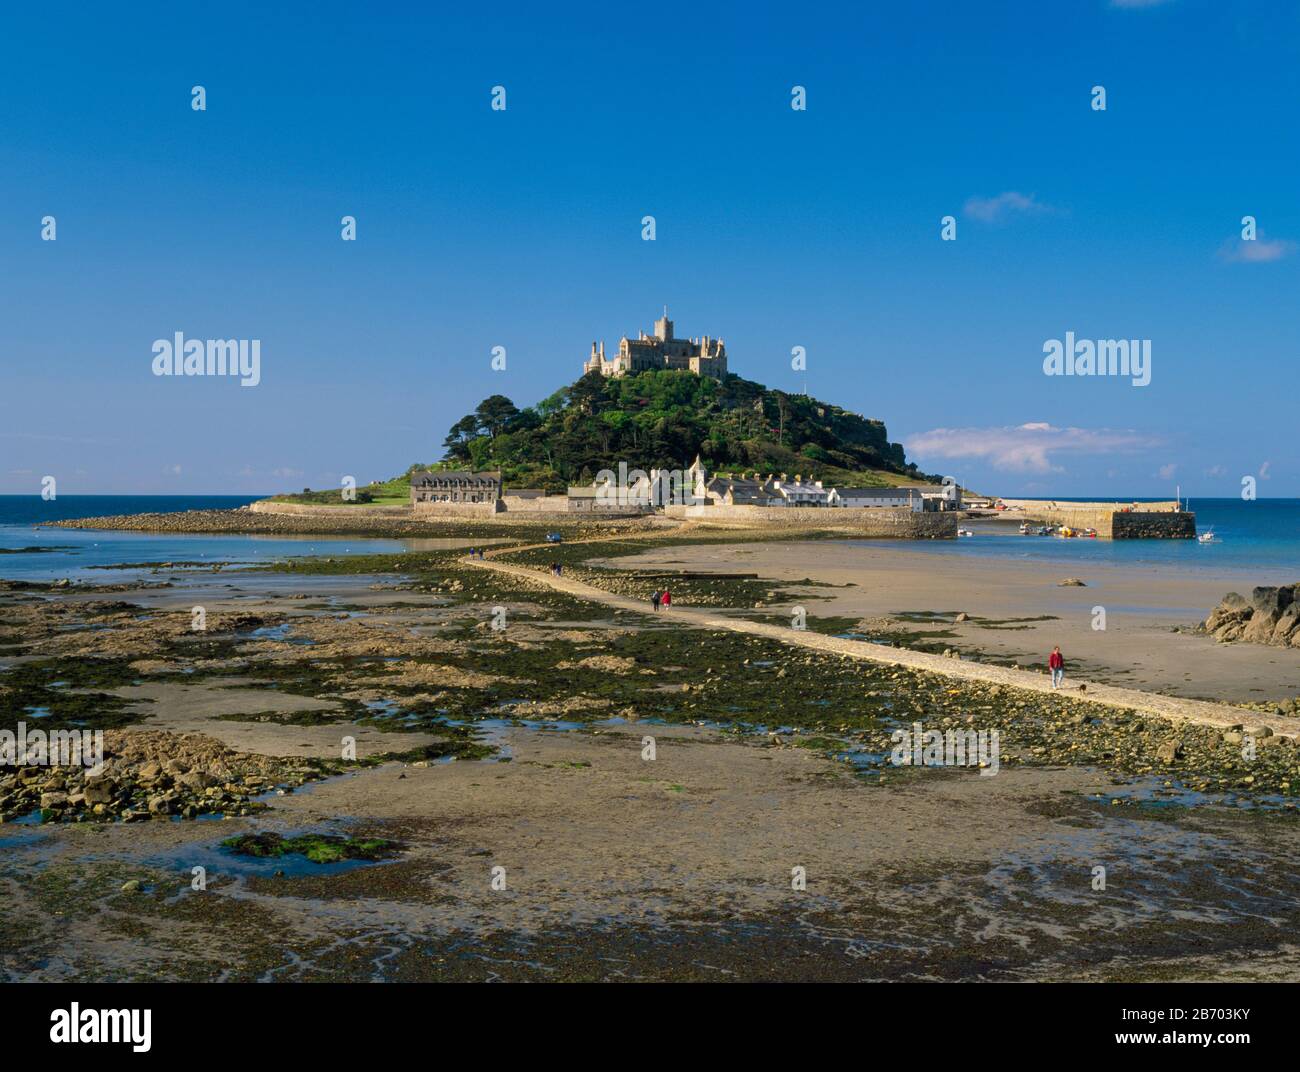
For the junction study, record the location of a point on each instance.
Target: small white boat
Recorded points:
(1208, 537)
(965, 532)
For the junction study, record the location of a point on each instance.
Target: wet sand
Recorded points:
(1138, 648)
(620, 868)
(616, 866)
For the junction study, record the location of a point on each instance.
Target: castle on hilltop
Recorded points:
(704, 356)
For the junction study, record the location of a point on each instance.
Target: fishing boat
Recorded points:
(965, 532)
(1208, 537)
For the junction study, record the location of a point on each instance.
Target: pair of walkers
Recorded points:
(661, 599)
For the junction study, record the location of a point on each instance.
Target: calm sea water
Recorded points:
(1259, 538)
(83, 548)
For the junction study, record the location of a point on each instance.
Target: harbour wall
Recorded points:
(1119, 521)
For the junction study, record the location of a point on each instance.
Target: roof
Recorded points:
(456, 474)
(875, 493)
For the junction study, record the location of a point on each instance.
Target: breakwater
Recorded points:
(1118, 521)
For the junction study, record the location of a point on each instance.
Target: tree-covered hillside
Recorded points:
(662, 419)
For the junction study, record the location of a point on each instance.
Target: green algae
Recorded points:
(318, 848)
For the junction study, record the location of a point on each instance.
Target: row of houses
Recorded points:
(641, 491)
(773, 490)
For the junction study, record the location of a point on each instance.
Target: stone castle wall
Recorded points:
(540, 504)
(858, 521)
(453, 509)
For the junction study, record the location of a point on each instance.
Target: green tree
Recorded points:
(494, 413)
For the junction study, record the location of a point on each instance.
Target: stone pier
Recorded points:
(1118, 521)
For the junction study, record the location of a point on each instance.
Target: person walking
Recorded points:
(654, 599)
(1056, 663)
(666, 600)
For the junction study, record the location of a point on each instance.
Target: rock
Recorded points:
(962, 617)
(1071, 582)
(54, 800)
(164, 804)
(133, 885)
(1169, 751)
(99, 790)
(1270, 616)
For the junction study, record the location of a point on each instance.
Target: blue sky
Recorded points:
(775, 228)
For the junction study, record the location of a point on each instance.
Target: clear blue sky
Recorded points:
(775, 228)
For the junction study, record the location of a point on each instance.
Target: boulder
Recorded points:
(1270, 616)
(99, 790)
(1169, 751)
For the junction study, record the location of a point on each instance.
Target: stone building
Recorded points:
(662, 350)
(454, 486)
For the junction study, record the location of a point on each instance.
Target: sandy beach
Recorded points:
(1138, 648)
(765, 834)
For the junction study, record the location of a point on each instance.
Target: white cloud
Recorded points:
(1004, 205)
(1263, 470)
(1215, 470)
(1258, 251)
(1166, 472)
(1027, 448)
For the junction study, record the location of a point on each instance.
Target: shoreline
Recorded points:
(676, 867)
(1016, 609)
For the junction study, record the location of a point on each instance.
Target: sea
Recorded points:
(80, 554)
(1256, 537)
(1259, 537)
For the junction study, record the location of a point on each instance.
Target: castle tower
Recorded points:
(664, 327)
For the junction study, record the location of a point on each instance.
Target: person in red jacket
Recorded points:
(1056, 663)
(667, 598)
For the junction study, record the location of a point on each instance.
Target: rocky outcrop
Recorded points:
(1270, 616)
(150, 773)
